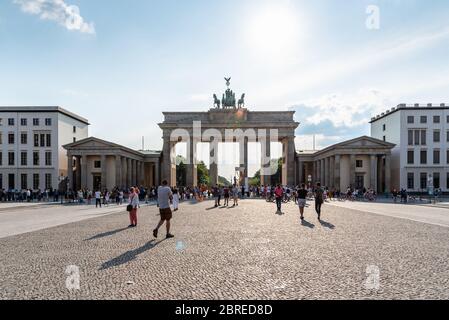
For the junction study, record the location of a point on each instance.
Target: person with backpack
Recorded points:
(319, 199)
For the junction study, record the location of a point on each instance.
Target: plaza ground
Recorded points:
(247, 252)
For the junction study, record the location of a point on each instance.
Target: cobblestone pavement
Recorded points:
(437, 215)
(21, 218)
(247, 252)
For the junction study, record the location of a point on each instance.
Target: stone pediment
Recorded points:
(365, 142)
(92, 143)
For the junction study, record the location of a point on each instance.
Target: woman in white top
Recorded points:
(106, 198)
(175, 199)
(134, 202)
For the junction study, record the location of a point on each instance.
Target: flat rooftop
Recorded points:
(404, 106)
(44, 109)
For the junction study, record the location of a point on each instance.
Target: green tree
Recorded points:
(203, 174)
(181, 171)
(275, 179)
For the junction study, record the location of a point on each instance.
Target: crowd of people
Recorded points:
(28, 195)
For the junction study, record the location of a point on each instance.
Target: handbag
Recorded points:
(130, 207)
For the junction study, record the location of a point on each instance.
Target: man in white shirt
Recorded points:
(165, 198)
(97, 198)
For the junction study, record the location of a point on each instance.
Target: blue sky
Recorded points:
(121, 63)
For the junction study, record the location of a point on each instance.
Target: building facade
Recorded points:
(359, 163)
(31, 140)
(97, 164)
(420, 133)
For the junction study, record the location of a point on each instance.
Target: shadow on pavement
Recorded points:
(307, 224)
(327, 225)
(130, 255)
(106, 234)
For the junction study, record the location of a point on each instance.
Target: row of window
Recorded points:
(423, 119)
(424, 180)
(40, 140)
(423, 157)
(24, 158)
(24, 181)
(418, 137)
(24, 122)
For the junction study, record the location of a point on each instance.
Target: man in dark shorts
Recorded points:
(319, 199)
(165, 197)
(301, 194)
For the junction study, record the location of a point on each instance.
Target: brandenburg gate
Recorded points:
(229, 122)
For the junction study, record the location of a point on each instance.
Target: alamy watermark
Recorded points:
(263, 136)
(372, 282)
(72, 282)
(373, 19)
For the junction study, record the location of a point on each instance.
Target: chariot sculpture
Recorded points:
(229, 100)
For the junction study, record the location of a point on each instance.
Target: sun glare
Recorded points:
(274, 30)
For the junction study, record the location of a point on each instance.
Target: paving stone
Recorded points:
(244, 253)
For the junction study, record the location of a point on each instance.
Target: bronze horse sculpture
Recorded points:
(241, 103)
(216, 102)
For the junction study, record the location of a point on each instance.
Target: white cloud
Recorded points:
(64, 14)
(346, 110)
(357, 62)
(201, 97)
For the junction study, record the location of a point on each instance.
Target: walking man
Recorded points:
(319, 199)
(301, 195)
(97, 198)
(165, 196)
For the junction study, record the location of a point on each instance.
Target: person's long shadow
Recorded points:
(211, 208)
(106, 234)
(326, 224)
(130, 255)
(307, 224)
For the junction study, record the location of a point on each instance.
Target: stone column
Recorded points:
(124, 173)
(323, 172)
(78, 172)
(213, 160)
(118, 171)
(337, 174)
(380, 174)
(301, 178)
(243, 155)
(141, 173)
(373, 175)
(326, 172)
(313, 173)
(134, 172)
(104, 182)
(352, 165)
(387, 173)
(265, 176)
(191, 166)
(70, 170)
(318, 171)
(332, 173)
(129, 173)
(157, 181)
(84, 172)
(290, 161)
(167, 159)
